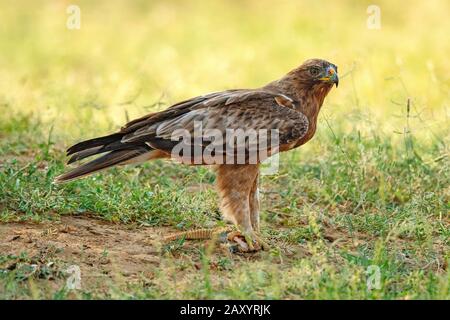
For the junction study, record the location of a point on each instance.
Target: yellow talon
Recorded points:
(249, 242)
(252, 242)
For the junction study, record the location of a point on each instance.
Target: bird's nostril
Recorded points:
(331, 71)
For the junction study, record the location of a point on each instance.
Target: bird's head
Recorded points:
(311, 81)
(317, 71)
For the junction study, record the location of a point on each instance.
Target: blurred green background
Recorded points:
(132, 56)
(372, 188)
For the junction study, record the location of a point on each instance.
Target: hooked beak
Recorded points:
(332, 76)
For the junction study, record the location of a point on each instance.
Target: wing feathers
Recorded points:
(232, 109)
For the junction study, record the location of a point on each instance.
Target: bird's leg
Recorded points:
(254, 204)
(235, 183)
(254, 212)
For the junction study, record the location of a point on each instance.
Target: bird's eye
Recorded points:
(314, 71)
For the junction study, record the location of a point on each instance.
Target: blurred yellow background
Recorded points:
(130, 55)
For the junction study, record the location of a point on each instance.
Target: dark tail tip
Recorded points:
(106, 161)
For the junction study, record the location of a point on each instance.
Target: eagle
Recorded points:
(233, 130)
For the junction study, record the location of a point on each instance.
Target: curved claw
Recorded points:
(249, 241)
(253, 242)
(262, 243)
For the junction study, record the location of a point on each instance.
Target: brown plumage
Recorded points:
(288, 106)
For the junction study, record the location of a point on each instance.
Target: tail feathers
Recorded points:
(113, 146)
(106, 161)
(96, 142)
(84, 154)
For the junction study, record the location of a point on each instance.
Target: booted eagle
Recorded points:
(235, 130)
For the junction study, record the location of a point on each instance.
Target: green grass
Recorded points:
(349, 204)
(372, 188)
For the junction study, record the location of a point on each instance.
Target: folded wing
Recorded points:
(206, 120)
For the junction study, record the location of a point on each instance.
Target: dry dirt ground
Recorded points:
(101, 249)
(117, 256)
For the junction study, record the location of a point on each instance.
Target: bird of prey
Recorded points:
(196, 131)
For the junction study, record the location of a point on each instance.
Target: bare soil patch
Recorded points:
(102, 250)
